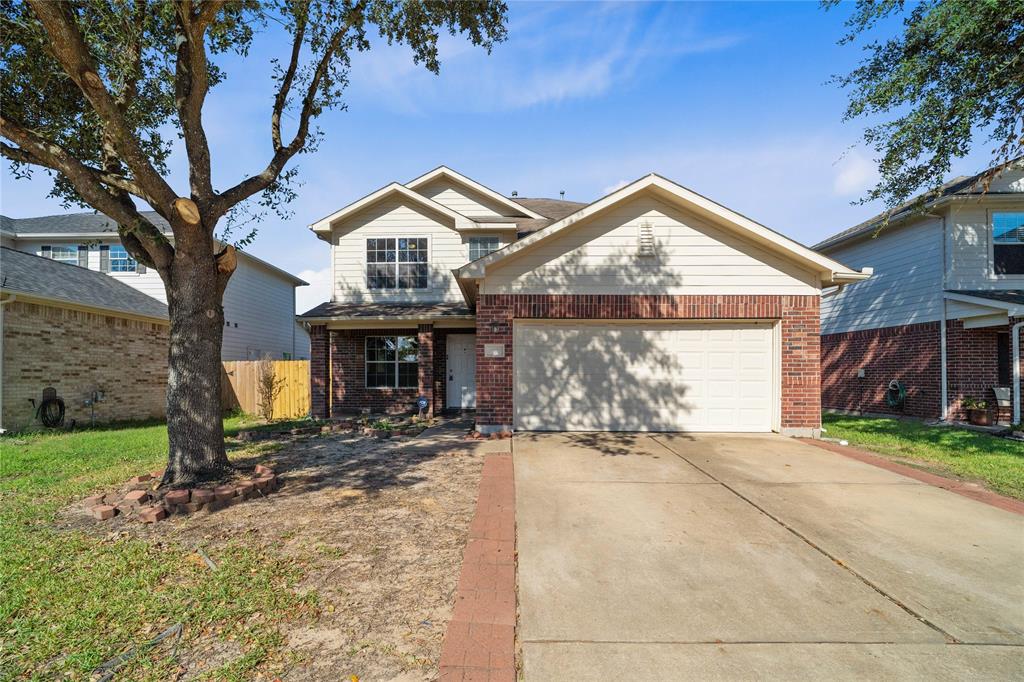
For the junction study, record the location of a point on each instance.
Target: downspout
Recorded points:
(942, 362)
(1015, 333)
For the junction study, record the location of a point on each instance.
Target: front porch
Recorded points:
(382, 358)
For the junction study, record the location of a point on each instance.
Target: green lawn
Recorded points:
(997, 462)
(71, 600)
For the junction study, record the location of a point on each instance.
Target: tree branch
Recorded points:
(68, 46)
(157, 252)
(191, 83)
(114, 180)
(281, 99)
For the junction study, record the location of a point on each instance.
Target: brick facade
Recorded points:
(800, 340)
(910, 354)
(337, 360)
(77, 353)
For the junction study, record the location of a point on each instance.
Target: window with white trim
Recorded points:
(397, 263)
(1008, 242)
(120, 260)
(481, 246)
(65, 253)
(392, 361)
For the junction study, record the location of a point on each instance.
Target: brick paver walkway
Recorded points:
(480, 641)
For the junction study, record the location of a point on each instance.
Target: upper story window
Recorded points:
(481, 246)
(1008, 242)
(120, 261)
(396, 263)
(64, 253)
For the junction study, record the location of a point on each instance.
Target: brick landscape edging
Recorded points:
(971, 490)
(479, 643)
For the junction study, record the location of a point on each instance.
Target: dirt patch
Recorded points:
(379, 528)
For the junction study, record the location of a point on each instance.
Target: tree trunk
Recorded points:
(195, 428)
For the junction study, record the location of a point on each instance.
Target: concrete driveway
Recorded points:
(668, 557)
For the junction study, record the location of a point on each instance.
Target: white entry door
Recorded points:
(461, 388)
(643, 376)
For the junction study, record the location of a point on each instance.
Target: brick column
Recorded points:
(425, 336)
(318, 371)
(494, 375)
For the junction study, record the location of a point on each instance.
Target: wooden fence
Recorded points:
(239, 387)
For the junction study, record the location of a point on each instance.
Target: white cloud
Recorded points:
(318, 291)
(611, 188)
(856, 174)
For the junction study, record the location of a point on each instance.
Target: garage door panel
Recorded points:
(576, 376)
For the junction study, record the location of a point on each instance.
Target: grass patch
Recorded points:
(997, 462)
(70, 600)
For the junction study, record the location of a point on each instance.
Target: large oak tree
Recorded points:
(93, 91)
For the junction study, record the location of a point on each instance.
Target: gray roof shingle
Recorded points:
(1015, 296)
(33, 275)
(425, 310)
(77, 223)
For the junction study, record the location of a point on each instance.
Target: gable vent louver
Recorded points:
(646, 242)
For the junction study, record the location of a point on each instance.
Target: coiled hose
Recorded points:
(51, 412)
(896, 394)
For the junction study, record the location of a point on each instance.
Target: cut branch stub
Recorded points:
(188, 210)
(227, 260)
(91, 80)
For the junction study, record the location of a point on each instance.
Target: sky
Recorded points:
(732, 100)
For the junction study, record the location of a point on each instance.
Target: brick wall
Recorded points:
(800, 340)
(910, 354)
(76, 353)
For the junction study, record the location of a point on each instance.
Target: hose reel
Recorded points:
(895, 394)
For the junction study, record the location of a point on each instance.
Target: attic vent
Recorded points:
(646, 241)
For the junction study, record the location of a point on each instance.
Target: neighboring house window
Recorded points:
(1008, 242)
(392, 362)
(481, 246)
(120, 261)
(65, 254)
(396, 263)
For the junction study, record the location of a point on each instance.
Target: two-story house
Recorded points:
(259, 301)
(650, 309)
(942, 313)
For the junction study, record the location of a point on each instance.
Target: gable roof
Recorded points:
(98, 225)
(960, 187)
(50, 280)
(832, 272)
(322, 227)
(460, 179)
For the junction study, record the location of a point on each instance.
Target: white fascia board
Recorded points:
(490, 227)
(444, 171)
(1014, 309)
(323, 226)
(832, 272)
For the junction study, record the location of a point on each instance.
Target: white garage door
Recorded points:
(578, 376)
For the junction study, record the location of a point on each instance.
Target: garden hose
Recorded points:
(51, 412)
(896, 394)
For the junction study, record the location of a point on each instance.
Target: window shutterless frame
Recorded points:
(1009, 241)
(391, 362)
(396, 264)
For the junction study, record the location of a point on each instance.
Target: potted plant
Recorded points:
(977, 412)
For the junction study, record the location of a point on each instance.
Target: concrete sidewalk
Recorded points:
(737, 557)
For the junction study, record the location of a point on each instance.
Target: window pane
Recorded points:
(481, 246)
(380, 374)
(408, 349)
(1008, 259)
(65, 254)
(380, 349)
(1008, 227)
(412, 275)
(120, 261)
(380, 275)
(408, 375)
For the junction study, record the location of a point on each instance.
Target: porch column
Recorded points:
(425, 336)
(318, 372)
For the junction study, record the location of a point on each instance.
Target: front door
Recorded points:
(461, 388)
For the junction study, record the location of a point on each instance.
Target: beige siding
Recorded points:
(448, 249)
(692, 257)
(462, 199)
(906, 287)
(969, 247)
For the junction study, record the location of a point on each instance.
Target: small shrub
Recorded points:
(268, 385)
(382, 425)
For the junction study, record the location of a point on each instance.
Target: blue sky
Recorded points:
(731, 100)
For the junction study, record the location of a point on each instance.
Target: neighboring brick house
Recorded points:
(259, 301)
(651, 309)
(83, 334)
(960, 259)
